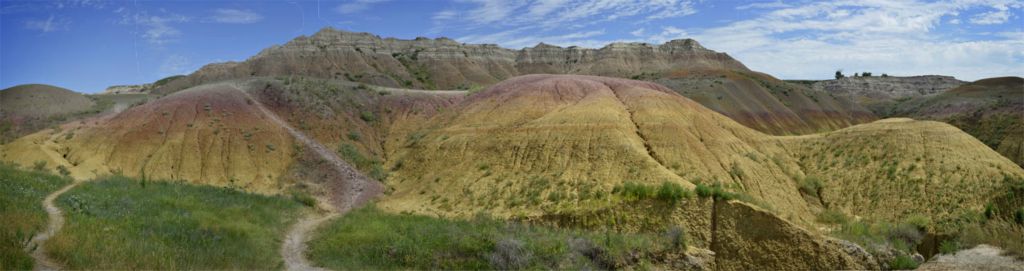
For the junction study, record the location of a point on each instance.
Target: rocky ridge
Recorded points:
(443, 63)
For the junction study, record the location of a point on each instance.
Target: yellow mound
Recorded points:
(544, 144)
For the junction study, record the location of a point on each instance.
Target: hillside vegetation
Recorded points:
(990, 109)
(117, 223)
(25, 109)
(21, 194)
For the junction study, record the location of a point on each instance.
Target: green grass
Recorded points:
(122, 223)
(370, 239)
(21, 212)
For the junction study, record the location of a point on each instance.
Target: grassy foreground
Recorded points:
(118, 223)
(21, 212)
(370, 239)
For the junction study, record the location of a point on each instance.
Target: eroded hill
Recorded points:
(990, 109)
(446, 64)
(765, 103)
(27, 108)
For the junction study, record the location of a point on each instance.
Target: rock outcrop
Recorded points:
(878, 93)
(443, 63)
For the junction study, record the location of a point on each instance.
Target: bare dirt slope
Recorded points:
(543, 144)
(355, 189)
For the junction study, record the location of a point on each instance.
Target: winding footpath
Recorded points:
(56, 221)
(357, 188)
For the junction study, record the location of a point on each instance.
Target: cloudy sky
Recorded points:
(87, 45)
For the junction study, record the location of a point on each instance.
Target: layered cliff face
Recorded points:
(442, 63)
(765, 103)
(880, 93)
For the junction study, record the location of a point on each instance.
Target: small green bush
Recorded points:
(367, 116)
(304, 198)
(811, 185)
(902, 262)
(354, 136)
(832, 217)
(949, 247)
(672, 192)
(39, 165)
(63, 170)
(1019, 216)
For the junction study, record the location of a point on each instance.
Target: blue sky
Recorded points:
(87, 45)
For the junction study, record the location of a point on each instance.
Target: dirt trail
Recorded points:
(56, 221)
(356, 189)
(981, 257)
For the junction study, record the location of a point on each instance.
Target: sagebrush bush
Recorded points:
(509, 254)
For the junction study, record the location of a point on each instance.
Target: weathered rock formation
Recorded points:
(878, 92)
(443, 63)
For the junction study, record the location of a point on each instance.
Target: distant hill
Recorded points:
(880, 93)
(443, 63)
(28, 108)
(765, 103)
(990, 109)
(569, 150)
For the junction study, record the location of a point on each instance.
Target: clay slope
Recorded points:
(879, 93)
(212, 134)
(990, 109)
(446, 64)
(765, 103)
(543, 144)
(27, 108)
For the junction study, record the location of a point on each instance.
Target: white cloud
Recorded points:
(357, 6)
(236, 16)
(638, 32)
(899, 38)
(157, 29)
(514, 39)
(562, 14)
(764, 5)
(174, 65)
(993, 17)
(51, 24)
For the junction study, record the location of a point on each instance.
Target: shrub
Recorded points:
(919, 221)
(636, 191)
(367, 116)
(990, 210)
(509, 254)
(63, 170)
(672, 192)
(948, 247)
(902, 262)
(703, 190)
(304, 198)
(39, 165)
(1019, 216)
(811, 185)
(676, 237)
(906, 233)
(354, 136)
(832, 217)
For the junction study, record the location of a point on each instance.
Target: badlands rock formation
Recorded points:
(443, 63)
(878, 93)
